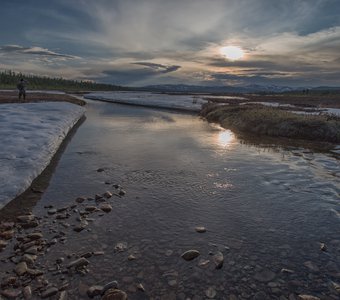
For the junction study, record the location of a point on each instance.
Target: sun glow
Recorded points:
(232, 52)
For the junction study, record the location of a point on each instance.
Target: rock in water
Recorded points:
(110, 285)
(50, 292)
(105, 207)
(94, 291)
(265, 276)
(120, 247)
(114, 294)
(200, 229)
(323, 247)
(210, 293)
(27, 292)
(107, 194)
(218, 260)
(308, 297)
(21, 268)
(80, 262)
(190, 254)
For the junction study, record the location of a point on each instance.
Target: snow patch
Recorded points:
(179, 102)
(30, 135)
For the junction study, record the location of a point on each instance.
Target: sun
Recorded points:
(232, 52)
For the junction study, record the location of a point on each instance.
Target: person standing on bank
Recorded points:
(21, 86)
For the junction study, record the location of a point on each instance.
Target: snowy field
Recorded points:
(179, 102)
(30, 134)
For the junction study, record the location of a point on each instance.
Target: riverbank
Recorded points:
(12, 97)
(269, 121)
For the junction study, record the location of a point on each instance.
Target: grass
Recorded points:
(268, 121)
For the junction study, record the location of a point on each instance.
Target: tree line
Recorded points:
(9, 80)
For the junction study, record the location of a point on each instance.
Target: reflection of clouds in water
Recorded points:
(224, 185)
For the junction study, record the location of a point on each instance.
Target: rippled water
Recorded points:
(265, 209)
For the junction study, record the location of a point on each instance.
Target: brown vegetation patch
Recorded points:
(260, 120)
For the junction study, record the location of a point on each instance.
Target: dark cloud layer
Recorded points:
(32, 50)
(159, 67)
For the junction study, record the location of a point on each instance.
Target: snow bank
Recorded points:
(30, 134)
(179, 102)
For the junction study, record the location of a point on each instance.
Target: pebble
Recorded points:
(311, 266)
(336, 287)
(63, 295)
(25, 218)
(218, 260)
(200, 229)
(34, 272)
(114, 294)
(265, 276)
(49, 292)
(122, 193)
(287, 271)
(172, 282)
(110, 285)
(27, 292)
(120, 247)
(90, 208)
(140, 287)
(32, 250)
(80, 262)
(11, 294)
(94, 291)
(190, 254)
(308, 297)
(323, 247)
(59, 210)
(3, 244)
(210, 293)
(21, 268)
(35, 236)
(7, 235)
(204, 262)
(80, 199)
(79, 227)
(107, 194)
(131, 257)
(100, 170)
(105, 207)
(52, 211)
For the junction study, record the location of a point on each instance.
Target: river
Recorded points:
(267, 209)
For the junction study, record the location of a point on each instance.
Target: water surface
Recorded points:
(265, 208)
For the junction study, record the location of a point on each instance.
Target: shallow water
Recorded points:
(265, 209)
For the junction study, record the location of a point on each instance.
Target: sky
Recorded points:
(147, 42)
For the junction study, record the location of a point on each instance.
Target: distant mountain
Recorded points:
(182, 88)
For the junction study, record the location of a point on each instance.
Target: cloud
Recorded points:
(144, 41)
(158, 67)
(16, 49)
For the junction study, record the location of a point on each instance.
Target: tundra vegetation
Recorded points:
(269, 121)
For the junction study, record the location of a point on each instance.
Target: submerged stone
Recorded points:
(190, 254)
